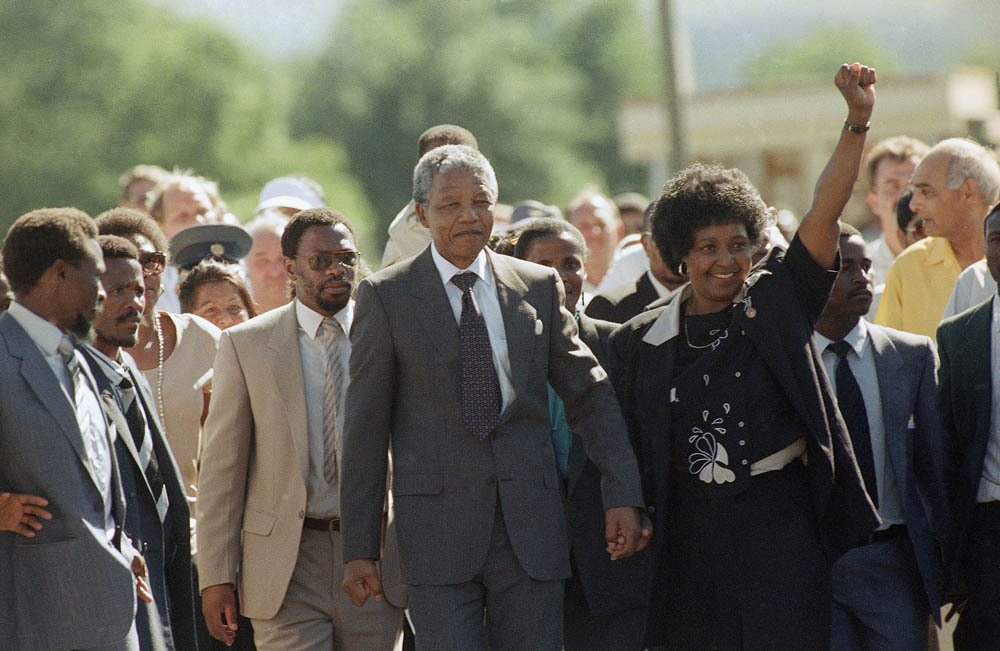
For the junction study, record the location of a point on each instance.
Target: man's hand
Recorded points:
(361, 580)
(621, 530)
(141, 586)
(22, 513)
(218, 603)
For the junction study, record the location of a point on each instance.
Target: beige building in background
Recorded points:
(782, 136)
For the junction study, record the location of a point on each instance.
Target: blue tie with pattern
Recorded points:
(852, 408)
(481, 396)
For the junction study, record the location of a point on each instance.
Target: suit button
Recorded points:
(492, 481)
(744, 462)
(302, 514)
(738, 374)
(743, 442)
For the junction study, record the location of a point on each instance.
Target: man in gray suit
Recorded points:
(451, 352)
(72, 584)
(886, 383)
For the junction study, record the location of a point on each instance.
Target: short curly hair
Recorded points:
(38, 238)
(705, 195)
(302, 220)
(128, 222)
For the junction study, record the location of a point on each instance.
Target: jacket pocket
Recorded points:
(258, 522)
(418, 483)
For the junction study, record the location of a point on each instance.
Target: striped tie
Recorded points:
(333, 387)
(143, 438)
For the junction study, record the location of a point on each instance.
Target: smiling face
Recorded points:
(118, 324)
(717, 265)
(328, 290)
(459, 214)
(152, 282)
(562, 254)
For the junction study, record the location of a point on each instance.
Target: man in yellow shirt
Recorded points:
(955, 185)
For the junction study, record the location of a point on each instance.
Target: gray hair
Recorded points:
(970, 160)
(267, 222)
(445, 159)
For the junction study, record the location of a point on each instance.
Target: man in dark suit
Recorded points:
(73, 584)
(451, 353)
(969, 346)
(605, 606)
(157, 514)
(622, 303)
(886, 386)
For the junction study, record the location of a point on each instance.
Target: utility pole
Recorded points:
(671, 95)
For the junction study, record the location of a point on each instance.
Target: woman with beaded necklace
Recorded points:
(746, 462)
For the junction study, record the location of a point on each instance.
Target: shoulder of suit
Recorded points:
(398, 271)
(617, 294)
(901, 337)
(962, 319)
(603, 327)
(262, 322)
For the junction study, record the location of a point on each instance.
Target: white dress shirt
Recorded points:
(484, 294)
(882, 258)
(322, 499)
(862, 363)
(97, 440)
(974, 285)
(989, 484)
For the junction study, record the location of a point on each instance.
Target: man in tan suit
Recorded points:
(269, 489)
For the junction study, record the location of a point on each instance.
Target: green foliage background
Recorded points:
(90, 88)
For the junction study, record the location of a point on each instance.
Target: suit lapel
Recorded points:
(285, 360)
(43, 382)
(434, 314)
(892, 387)
(974, 358)
(519, 319)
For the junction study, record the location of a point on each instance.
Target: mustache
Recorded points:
(131, 314)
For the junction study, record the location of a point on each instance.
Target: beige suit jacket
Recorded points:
(252, 484)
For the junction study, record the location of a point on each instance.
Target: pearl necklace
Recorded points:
(159, 372)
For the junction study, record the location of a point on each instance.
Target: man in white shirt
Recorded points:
(72, 583)
(269, 486)
(886, 386)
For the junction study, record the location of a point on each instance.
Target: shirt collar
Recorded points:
(310, 320)
(939, 250)
(856, 338)
(45, 334)
(661, 289)
(115, 366)
(480, 266)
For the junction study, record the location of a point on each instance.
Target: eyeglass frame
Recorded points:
(313, 260)
(152, 262)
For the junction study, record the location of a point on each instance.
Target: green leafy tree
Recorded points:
(537, 83)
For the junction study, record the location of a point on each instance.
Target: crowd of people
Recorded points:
(686, 423)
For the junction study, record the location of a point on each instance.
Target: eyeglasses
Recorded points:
(323, 261)
(152, 262)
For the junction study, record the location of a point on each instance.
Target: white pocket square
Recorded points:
(538, 326)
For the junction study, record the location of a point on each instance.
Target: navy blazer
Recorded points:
(167, 556)
(966, 402)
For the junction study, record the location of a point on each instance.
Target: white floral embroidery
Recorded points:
(709, 460)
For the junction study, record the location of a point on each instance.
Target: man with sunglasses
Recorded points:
(269, 485)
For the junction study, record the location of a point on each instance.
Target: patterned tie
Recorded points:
(89, 418)
(143, 438)
(333, 389)
(852, 408)
(481, 397)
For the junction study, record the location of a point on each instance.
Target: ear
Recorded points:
(421, 216)
(289, 264)
(621, 230)
(969, 189)
(56, 273)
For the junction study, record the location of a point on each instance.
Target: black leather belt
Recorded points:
(893, 531)
(322, 524)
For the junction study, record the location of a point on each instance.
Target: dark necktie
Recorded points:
(143, 437)
(481, 396)
(852, 408)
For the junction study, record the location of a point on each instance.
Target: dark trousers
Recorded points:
(879, 601)
(520, 612)
(984, 575)
(244, 634)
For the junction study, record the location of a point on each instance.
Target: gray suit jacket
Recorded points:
(406, 392)
(67, 587)
(906, 366)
